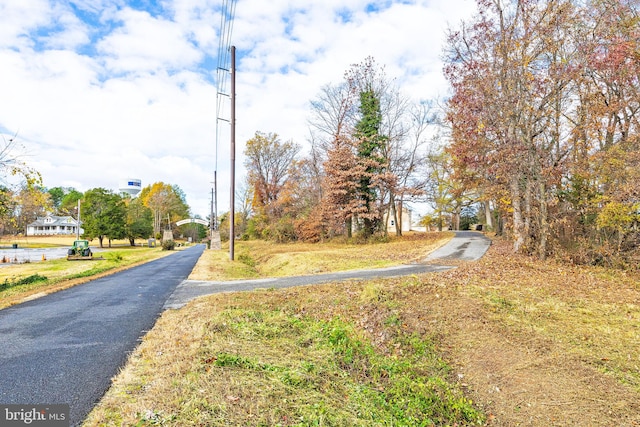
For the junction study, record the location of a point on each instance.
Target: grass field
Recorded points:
(20, 281)
(36, 241)
(504, 341)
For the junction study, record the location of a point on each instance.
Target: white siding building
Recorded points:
(52, 225)
(405, 220)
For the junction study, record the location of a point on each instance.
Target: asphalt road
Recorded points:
(65, 347)
(466, 245)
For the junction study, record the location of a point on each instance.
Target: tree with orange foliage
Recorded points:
(544, 118)
(341, 202)
(269, 162)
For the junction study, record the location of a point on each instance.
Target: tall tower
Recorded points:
(131, 186)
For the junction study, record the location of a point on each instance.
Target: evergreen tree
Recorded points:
(370, 145)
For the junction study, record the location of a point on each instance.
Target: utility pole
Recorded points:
(232, 211)
(214, 233)
(78, 226)
(212, 219)
(215, 200)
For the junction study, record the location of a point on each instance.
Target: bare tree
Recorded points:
(12, 164)
(399, 133)
(405, 152)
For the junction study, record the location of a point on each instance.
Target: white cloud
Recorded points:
(103, 90)
(20, 18)
(145, 43)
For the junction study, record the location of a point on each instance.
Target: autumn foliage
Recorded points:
(353, 175)
(544, 118)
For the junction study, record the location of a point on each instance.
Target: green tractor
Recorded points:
(79, 251)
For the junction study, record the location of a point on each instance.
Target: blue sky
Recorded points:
(103, 90)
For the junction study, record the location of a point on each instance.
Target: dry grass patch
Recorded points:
(257, 259)
(300, 357)
(539, 343)
(36, 241)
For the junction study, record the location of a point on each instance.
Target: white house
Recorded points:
(52, 225)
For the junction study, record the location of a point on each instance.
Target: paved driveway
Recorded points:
(466, 245)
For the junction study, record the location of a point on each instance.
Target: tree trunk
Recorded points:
(368, 227)
(500, 220)
(487, 215)
(526, 232)
(544, 223)
(456, 219)
(395, 216)
(518, 224)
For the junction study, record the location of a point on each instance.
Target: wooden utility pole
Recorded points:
(215, 200)
(232, 211)
(78, 226)
(214, 242)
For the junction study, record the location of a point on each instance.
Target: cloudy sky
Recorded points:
(99, 91)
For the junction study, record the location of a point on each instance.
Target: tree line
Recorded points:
(105, 214)
(367, 144)
(538, 140)
(373, 150)
(544, 123)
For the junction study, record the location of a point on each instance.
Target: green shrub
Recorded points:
(247, 260)
(23, 281)
(168, 245)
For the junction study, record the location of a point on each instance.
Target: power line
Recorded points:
(227, 14)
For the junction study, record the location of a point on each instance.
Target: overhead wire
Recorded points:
(227, 14)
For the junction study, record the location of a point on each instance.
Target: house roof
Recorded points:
(53, 220)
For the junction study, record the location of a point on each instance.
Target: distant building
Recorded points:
(404, 219)
(52, 225)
